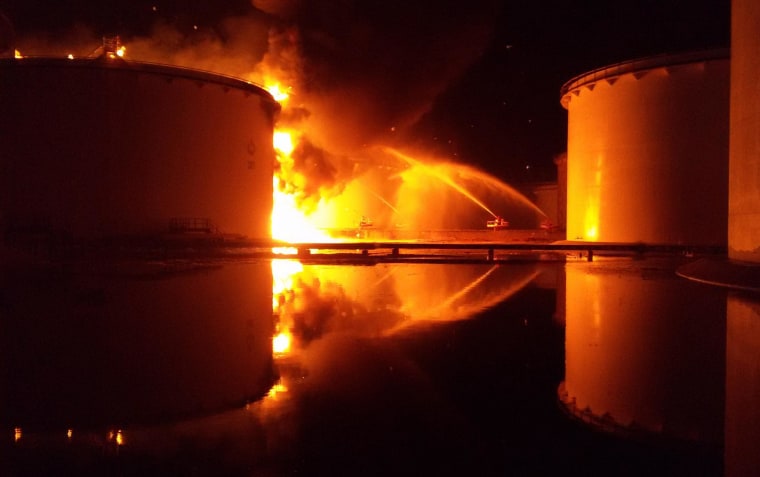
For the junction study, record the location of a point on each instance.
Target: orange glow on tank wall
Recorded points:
(592, 221)
(593, 203)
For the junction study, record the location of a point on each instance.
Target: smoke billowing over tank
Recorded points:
(357, 77)
(365, 74)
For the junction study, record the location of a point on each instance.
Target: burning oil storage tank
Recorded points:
(647, 155)
(100, 148)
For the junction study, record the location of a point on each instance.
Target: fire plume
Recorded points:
(279, 94)
(289, 222)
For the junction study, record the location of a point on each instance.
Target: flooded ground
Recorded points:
(611, 367)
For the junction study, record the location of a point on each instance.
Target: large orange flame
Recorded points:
(289, 222)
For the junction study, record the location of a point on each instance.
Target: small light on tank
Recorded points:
(112, 47)
(117, 437)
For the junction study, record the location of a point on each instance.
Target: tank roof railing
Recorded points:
(640, 64)
(146, 67)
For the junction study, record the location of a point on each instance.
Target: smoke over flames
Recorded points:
(367, 67)
(360, 74)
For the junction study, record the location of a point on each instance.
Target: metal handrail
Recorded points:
(170, 71)
(641, 64)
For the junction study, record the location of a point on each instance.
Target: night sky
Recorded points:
(474, 81)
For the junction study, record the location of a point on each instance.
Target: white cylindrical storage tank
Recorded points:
(647, 151)
(644, 352)
(742, 386)
(743, 270)
(102, 147)
(744, 189)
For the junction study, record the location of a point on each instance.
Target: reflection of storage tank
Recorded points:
(647, 150)
(100, 148)
(742, 386)
(133, 344)
(644, 351)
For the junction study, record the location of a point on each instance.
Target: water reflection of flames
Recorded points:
(313, 301)
(283, 272)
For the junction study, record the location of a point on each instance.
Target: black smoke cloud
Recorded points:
(324, 174)
(371, 69)
(363, 73)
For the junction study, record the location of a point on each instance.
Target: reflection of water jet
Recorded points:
(463, 292)
(383, 300)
